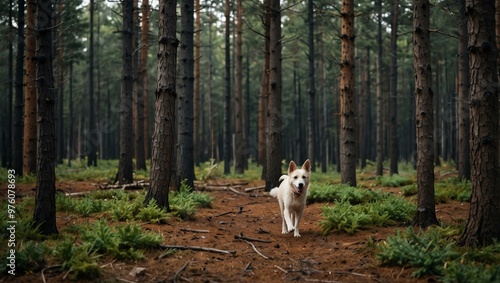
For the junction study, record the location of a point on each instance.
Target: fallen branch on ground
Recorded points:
(194, 230)
(180, 270)
(196, 248)
(255, 188)
(241, 237)
(256, 250)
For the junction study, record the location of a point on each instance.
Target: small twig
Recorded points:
(194, 230)
(180, 270)
(124, 280)
(47, 268)
(225, 213)
(197, 248)
(241, 237)
(281, 269)
(236, 191)
(256, 250)
(255, 188)
(248, 267)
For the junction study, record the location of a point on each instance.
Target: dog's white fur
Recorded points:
(291, 195)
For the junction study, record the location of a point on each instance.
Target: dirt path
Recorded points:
(314, 257)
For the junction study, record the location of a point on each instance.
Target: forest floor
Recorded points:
(314, 257)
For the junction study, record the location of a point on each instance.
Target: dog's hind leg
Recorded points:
(284, 230)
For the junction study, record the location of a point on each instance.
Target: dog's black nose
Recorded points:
(301, 185)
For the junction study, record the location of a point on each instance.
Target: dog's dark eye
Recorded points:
(305, 177)
(295, 177)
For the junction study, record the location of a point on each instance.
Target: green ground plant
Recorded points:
(434, 252)
(395, 180)
(80, 261)
(355, 209)
(342, 192)
(30, 257)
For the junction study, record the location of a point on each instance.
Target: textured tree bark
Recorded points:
(227, 95)
(393, 100)
(483, 226)
(463, 97)
(239, 142)
(348, 138)
(44, 216)
(312, 120)
(29, 137)
(164, 130)
(264, 93)
(144, 75)
(274, 115)
(426, 211)
(125, 166)
(380, 99)
(185, 143)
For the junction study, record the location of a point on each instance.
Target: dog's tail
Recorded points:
(283, 177)
(274, 192)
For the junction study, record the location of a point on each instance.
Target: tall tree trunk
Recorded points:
(264, 93)
(71, 121)
(125, 167)
(393, 100)
(426, 211)
(348, 138)
(463, 97)
(60, 85)
(483, 226)
(44, 216)
(164, 130)
(240, 144)
(380, 98)
(29, 137)
(17, 137)
(197, 84)
(7, 142)
(144, 75)
(227, 96)
(185, 154)
(92, 134)
(211, 113)
(140, 155)
(363, 106)
(274, 115)
(437, 113)
(311, 118)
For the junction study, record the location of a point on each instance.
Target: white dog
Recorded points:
(291, 195)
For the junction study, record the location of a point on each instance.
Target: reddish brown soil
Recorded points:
(314, 257)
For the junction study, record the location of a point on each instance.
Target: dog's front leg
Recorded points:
(288, 220)
(297, 217)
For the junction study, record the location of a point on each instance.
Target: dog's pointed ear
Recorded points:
(292, 167)
(307, 165)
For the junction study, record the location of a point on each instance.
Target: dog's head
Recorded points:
(299, 178)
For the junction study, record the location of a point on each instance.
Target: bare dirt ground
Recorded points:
(314, 257)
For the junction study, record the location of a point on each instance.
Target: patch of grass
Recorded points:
(184, 202)
(87, 206)
(81, 261)
(393, 181)
(423, 251)
(453, 189)
(409, 190)
(122, 241)
(433, 252)
(152, 213)
(346, 217)
(456, 272)
(29, 257)
(343, 192)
